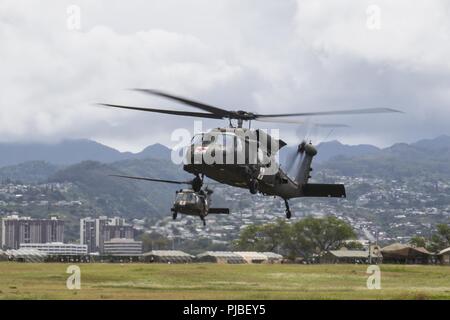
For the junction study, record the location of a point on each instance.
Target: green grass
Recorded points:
(212, 281)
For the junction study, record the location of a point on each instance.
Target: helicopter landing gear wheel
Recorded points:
(197, 184)
(174, 215)
(253, 186)
(288, 214)
(288, 210)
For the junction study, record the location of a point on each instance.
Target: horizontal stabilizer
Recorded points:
(219, 211)
(324, 190)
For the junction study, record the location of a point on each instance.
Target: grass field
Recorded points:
(212, 281)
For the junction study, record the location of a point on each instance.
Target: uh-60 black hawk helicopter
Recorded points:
(245, 157)
(188, 201)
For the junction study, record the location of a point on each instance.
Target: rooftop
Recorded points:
(167, 253)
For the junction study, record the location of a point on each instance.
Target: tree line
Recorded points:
(438, 241)
(303, 238)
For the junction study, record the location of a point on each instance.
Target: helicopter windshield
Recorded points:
(223, 139)
(184, 196)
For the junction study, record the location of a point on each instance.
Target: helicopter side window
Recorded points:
(239, 146)
(204, 139)
(229, 140)
(225, 140)
(262, 158)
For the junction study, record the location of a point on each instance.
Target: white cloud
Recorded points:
(411, 34)
(265, 56)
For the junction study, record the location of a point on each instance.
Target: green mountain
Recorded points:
(91, 182)
(69, 152)
(28, 172)
(430, 158)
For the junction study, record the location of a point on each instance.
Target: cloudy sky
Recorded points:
(259, 55)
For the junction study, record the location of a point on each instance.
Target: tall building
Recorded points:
(88, 234)
(95, 231)
(17, 230)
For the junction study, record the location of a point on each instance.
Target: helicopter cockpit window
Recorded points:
(225, 140)
(188, 197)
(203, 139)
(181, 197)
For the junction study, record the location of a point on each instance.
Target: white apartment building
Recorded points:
(58, 248)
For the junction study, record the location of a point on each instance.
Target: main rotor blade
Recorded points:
(199, 105)
(173, 112)
(301, 121)
(151, 179)
(331, 125)
(259, 117)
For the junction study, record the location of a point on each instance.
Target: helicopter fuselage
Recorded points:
(191, 203)
(238, 157)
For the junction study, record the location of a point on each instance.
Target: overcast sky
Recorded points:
(259, 55)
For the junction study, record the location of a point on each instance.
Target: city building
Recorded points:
(94, 232)
(17, 230)
(57, 248)
(122, 247)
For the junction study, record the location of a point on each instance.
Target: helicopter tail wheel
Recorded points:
(253, 186)
(174, 215)
(197, 184)
(288, 214)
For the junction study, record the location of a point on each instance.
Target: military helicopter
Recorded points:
(192, 203)
(252, 151)
(187, 201)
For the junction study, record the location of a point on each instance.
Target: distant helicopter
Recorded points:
(258, 172)
(192, 203)
(188, 201)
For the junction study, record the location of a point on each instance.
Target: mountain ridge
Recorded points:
(68, 152)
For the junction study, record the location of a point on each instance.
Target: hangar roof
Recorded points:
(272, 255)
(349, 253)
(167, 253)
(219, 254)
(251, 255)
